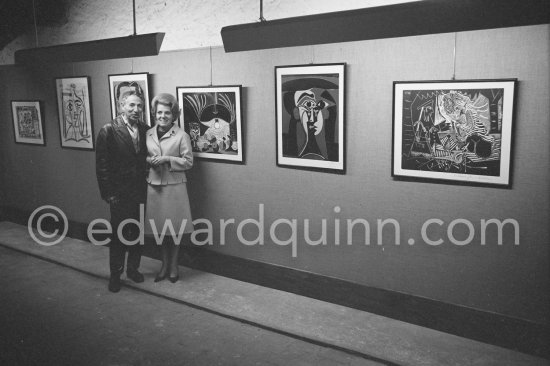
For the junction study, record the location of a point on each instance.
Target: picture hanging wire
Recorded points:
(262, 19)
(34, 18)
(134, 6)
(454, 60)
(210, 65)
(135, 33)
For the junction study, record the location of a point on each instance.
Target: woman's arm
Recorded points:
(185, 159)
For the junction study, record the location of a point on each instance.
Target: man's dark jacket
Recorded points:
(120, 170)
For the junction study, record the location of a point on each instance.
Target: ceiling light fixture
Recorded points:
(398, 20)
(121, 47)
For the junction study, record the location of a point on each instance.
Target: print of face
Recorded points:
(74, 107)
(128, 86)
(132, 108)
(452, 105)
(309, 110)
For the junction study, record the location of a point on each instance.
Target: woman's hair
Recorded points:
(168, 100)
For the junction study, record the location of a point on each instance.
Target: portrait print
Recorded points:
(122, 83)
(310, 116)
(74, 111)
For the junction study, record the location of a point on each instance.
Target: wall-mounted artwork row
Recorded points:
(310, 116)
(458, 131)
(28, 125)
(75, 112)
(212, 117)
(122, 83)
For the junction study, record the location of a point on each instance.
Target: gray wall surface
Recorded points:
(508, 279)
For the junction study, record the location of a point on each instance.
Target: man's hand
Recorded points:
(114, 200)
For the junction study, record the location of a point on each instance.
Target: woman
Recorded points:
(169, 156)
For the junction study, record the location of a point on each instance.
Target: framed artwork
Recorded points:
(74, 110)
(454, 131)
(310, 117)
(212, 117)
(121, 83)
(28, 125)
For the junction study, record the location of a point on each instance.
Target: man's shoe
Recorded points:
(114, 284)
(135, 276)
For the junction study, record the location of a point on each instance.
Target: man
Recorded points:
(126, 86)
(121, 168)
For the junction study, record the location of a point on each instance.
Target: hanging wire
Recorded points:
(262, 19)
(454, 60)
(35, 27)
(312, 55)
(210, 65)
(134, 6)
(132, 66)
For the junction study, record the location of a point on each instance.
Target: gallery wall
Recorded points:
(508, 279)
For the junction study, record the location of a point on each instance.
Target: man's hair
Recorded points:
(129, 84)
(128, 93)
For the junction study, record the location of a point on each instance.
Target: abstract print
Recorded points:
(75, 123)
(452, 130)
(74, 109)
(212, 117)
(28, 126)
(28, 122)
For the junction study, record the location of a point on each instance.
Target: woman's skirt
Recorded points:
(168, 204)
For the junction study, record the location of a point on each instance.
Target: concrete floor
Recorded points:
(53, 315)
(56, 310)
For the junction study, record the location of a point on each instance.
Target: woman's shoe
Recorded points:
(174, 279)
(160, 277)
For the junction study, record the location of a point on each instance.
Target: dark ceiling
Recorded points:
(16, 17)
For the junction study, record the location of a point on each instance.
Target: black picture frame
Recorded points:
(28, 122)
(454, 131)
(74, 111)
(310, 117)
(212, 116)
(139, 82)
